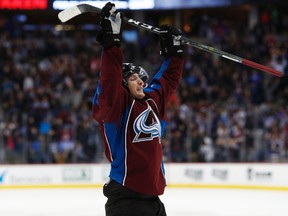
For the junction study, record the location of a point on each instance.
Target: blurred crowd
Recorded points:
(223, 111)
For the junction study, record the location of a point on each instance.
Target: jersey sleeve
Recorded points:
(108, 97)
(165, 82)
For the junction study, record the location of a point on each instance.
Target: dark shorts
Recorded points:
(125, 202)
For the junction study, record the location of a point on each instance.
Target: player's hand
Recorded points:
(170, 44)
(110, 26)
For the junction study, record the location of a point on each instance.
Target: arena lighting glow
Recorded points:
(63, 4)
(140, 4)
(178, 4)
(24, 4)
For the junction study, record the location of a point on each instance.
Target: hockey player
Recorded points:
(131, 113)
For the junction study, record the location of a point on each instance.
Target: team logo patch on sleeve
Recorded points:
(146, 126)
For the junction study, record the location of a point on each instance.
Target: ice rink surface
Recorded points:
(178, 202)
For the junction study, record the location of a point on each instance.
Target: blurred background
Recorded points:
(222, 112)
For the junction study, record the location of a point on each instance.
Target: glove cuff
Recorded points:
(170, 44)
(172, 51)
(108, 40)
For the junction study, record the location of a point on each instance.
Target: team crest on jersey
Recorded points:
(147, 126)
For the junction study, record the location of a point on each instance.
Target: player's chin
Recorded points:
(139, 95)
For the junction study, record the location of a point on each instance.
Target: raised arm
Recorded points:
(167, 79)
(109, 90)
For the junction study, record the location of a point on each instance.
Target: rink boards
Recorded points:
(178, 175)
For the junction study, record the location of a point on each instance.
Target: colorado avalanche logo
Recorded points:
(147, 126)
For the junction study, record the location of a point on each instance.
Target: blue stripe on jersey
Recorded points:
(154, 84)
(163, 126)
(163, 171)
(99, 87)
(117, 147)
(97, 93)
(111, 132)
(151, 88)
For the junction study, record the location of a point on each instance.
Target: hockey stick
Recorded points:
(74, 11)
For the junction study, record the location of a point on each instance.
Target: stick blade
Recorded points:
(74, 11)
(69, 13)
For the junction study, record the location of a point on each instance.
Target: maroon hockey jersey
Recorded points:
(131, 128)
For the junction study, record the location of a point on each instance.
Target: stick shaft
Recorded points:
(210, 49)
(69, 13)
(261, 67)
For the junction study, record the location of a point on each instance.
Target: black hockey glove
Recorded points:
(110, 26)
(170, 45)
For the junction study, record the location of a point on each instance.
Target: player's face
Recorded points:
(135, 86)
